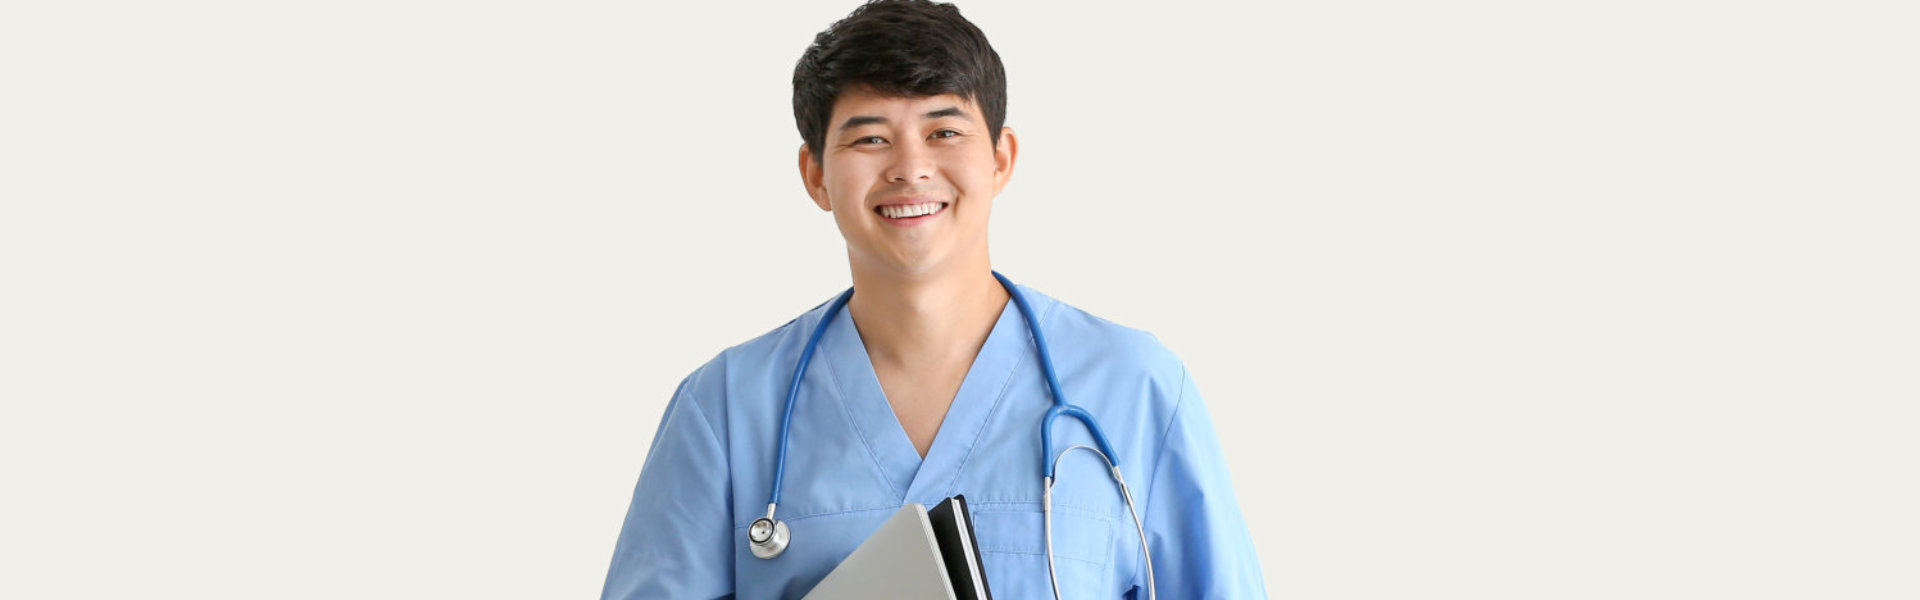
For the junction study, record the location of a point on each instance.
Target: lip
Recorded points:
(908, 200)
(912, 221)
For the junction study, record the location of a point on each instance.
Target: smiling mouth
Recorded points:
(909, 211)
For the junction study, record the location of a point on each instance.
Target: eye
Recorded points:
(941, 133)
(876, 139)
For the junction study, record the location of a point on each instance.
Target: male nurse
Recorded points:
(927, 383)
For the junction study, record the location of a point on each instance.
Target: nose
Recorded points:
(912, 161)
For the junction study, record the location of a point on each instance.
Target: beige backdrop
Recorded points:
(1491, 300)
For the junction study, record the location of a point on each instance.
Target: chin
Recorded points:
(907, 266)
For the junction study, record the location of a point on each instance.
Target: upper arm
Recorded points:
(675, 541)
(1200, 543)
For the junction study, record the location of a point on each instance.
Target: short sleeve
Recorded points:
(1201, 546)
(675, 542)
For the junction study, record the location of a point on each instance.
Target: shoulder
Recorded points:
(1097, 343)
(1135, 385)
(751, 362)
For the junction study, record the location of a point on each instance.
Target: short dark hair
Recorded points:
(897, 48)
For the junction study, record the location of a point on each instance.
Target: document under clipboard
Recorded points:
(918, 554)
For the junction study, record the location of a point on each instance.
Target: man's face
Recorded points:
(910, 181)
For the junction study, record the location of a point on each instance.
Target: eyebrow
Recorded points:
(856, 121)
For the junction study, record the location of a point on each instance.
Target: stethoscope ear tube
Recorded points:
(1046, 518)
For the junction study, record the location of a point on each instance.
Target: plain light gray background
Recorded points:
(1488, 299)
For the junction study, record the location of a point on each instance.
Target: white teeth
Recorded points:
(911, 210)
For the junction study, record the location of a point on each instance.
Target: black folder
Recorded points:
(953, 527)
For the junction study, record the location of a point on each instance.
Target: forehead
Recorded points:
(861, 102)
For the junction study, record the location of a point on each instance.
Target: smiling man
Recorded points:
(930, 382)
(911, 180)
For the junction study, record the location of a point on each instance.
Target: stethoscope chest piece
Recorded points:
(767, 537)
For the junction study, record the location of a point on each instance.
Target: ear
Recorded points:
(1004, 154)
(814, 179)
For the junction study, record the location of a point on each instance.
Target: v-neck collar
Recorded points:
(1008, 346)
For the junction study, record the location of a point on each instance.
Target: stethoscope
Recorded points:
(768, 537)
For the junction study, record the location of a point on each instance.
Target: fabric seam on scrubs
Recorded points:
(846, 408)
(1034, 506)
(726, 454)
(1000, 399)
(836, 513)
(1160, 454)
(1101, 556)
(680, 394)
(1042, 554)
(693, 393)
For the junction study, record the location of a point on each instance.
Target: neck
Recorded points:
(928, 319)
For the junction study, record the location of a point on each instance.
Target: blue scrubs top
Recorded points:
(850, 466)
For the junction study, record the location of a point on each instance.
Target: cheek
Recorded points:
(841, 192)
(976, 185)
(848, 182)
(974, 174)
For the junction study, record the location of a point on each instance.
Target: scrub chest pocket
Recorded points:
(1013, 549)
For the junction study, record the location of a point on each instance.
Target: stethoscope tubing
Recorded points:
(775, 531)
(1060, 405)
(793, 394)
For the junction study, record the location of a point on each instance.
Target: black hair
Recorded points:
(899, 48)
